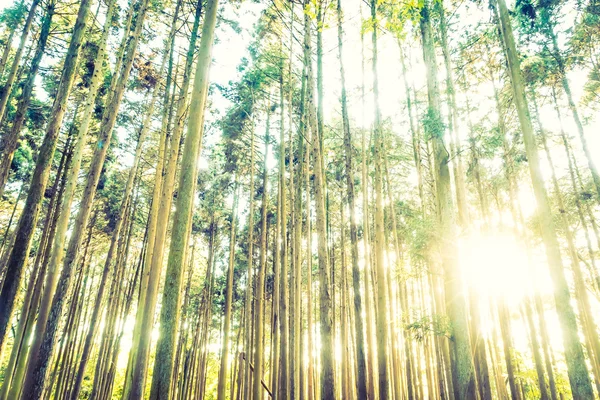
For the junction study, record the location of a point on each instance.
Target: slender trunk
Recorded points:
(183, 331)
(282, 388)
(460, 355)
(228, 300)
(366, 234)
(535, 347)
(455, 153)
(379, 245)
(28, 220)
(71, 185)
(125, 205)
(41, 357)
(415, 137)
(361, 379)
(159, 219)
(169, 316)
(344, 328)
(578, 374)
(13, 373)
(581, 292)
(327, 371)
(558, 57)
(10, 140)
(478, 344)
(7, 48)
(595, 276)
(505, 329)
(248, 294)
(260, 282)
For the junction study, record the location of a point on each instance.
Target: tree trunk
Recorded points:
(455, 153)
(327, 371)
(460, 355)
(7, 49)
(162, 197)
(361, 379)
(169, 316)
(13, 372)
(578, 375)
(125, 205)
(260, 282)
(40, 358)
(228, 300)
(28, 220)
(381, 297)
(10, 140)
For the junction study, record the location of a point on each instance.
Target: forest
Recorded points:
(299, 199)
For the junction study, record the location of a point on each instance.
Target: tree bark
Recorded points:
(10, 140)
(228, 300)
(169, 316)
(361, 379)
(327, 369)
(578, 374)
(460, 355)
(260, 281)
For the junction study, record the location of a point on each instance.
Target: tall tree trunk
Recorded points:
(327, 372)
(257, 392)
(361, 379)
(169, 316)
(13, 372)
(455, 153)
(581, 293)
(478, 344)
(117, 233)
(366, 233)
(535, 347)
(505, 329)
(7, 48)
(460, 355)
(578, 374)
(164, 185)
(248, 294)
(40, 356)
(10, 140)
(228, 300)
(548, 27)
(595, 276)
(71, 185)
(381, 297)
(39, 180)
(415, 137)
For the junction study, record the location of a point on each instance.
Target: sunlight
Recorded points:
(495, 265)
(389, 200)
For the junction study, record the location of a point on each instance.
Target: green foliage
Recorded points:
(433, 125)
(22, 163)
(13, 15)
(111, 188)
(423, 326)
(535, 69)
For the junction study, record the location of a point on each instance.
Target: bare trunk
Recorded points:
(228, 300)
(327, 371)
(460, 355)
(578, 375)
